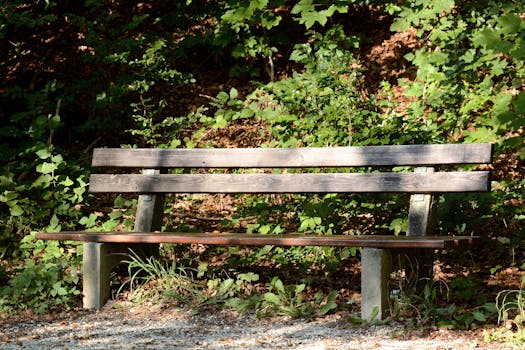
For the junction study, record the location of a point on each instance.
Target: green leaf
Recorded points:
(519, 103)
(303, 6)
(443, 5)
(310, 18)
(518, 52)
(479, 316)
(220, 122)
(486, 37)
(43, 181)
(437, 57)
(57, 159)
(225, 287)
(480, 134)
(272, 298)
(54, 225)
(510, 23)
(79, 191)
(400, 24)
(270, 20)
(67, 182)
(278, 284)
(446, 324)
(16, 210)
(492, 40)
(116, 214)
(46, 168)
(110, 225)
(43, 153)
(54, 122)
(233, 93)
(409, 56)
(246, 113)
(202, 269)
(331, 305)
(309, 15)
(265, 229)
(8, 196)
(88, 222)
(304, 226)
(490, 307)
(119, 202)
(501, 103)
(223, 96)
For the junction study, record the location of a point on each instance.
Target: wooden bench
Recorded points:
(102, 251)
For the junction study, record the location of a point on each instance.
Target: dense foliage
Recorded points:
(80, 74)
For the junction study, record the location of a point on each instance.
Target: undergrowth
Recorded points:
(158, 281)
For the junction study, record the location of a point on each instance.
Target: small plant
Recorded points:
(151, 279)
(288, 300)
(237, 293)
(511, 306)
(434, 306)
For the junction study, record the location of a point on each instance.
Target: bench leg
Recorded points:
(376, 266)
(98, 261)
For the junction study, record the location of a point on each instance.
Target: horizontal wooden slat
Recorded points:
(472, 181)
(261, 240)
(394, 155)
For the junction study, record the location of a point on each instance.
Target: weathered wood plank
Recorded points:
(472, 181)
(292, 239)
(392, 155)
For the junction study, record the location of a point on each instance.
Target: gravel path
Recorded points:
(178, 329)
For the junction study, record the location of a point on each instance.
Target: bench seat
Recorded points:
(290, 239)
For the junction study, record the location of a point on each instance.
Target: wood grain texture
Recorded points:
(472, 181)
(422, 212)
(150, 209)
(292, 239)
(393, 155)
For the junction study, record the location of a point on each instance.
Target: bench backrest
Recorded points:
(319, 182)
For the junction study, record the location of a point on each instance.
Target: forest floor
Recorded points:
(143, 327)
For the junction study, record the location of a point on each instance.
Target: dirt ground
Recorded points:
(154, 328)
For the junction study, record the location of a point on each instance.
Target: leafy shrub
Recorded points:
(47, 280)
(44, 192)
(463, 75)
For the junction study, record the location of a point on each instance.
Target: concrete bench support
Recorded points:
(376, 266)
(98, 261)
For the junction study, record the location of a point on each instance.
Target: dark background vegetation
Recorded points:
(83, 74)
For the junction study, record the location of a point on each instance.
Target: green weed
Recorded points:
(510, 305)
(153, 280)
